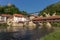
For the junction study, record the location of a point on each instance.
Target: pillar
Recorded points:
(48, 25)
(31, 25)
(40, 24)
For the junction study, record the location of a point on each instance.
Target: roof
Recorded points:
(50, 17)
(18, 15)
(5, 15)
(38, 18)
(11, 17)
(32, 15)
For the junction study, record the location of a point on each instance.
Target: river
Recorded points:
(24, 34)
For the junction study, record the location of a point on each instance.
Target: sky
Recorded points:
(29, 6)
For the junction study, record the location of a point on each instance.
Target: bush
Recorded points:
(4, 25)
(55, 24)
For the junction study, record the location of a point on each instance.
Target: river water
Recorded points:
(24, 34)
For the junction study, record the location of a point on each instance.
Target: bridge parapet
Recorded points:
(47, 19)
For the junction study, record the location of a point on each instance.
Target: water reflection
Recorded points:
(25, 34)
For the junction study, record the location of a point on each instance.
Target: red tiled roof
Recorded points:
(52, 17)
(5, 15)
(17, 15)
(38, 18)
(11, 17)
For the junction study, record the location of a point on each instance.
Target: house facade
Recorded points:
(4, 17)
(19, 18)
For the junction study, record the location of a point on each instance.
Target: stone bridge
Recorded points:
(47, 20)
(35, 22)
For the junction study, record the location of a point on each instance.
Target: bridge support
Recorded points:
(40, 24)
(31, 25)
(43, 24)
(48, 25)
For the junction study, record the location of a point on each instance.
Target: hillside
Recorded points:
(51, 9)
(11, 9)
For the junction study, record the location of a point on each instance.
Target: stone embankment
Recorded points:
(28, 25)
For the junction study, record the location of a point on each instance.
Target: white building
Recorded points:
(4, 17)
(19, 18)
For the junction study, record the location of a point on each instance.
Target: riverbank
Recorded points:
(55, 35)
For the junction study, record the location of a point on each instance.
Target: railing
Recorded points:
(47, 20)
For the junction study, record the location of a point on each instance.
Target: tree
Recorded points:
(1, 9)
(11, 9)
(51, 9)
(24, 13)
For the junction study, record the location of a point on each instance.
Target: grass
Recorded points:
(52, 36)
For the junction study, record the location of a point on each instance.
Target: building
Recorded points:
(17, 21)
(32, 16)
(19, 18)
(4, 17)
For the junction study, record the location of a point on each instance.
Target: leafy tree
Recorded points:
(24, 13)
(51, 9)
(1, 9)
(11, 9)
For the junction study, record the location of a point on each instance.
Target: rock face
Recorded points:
(32, 16)
(17, 26)
(31, 25)
(9, 21)
(40, 25)
(54, 14)
(48, 25)
(24, 25)
(47, 15)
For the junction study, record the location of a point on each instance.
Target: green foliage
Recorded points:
(4, 25)
(9, 9)
(1, 9)
(12, 9)
(52, 36)
(55, 24)
(51, 9)
(24, 13)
